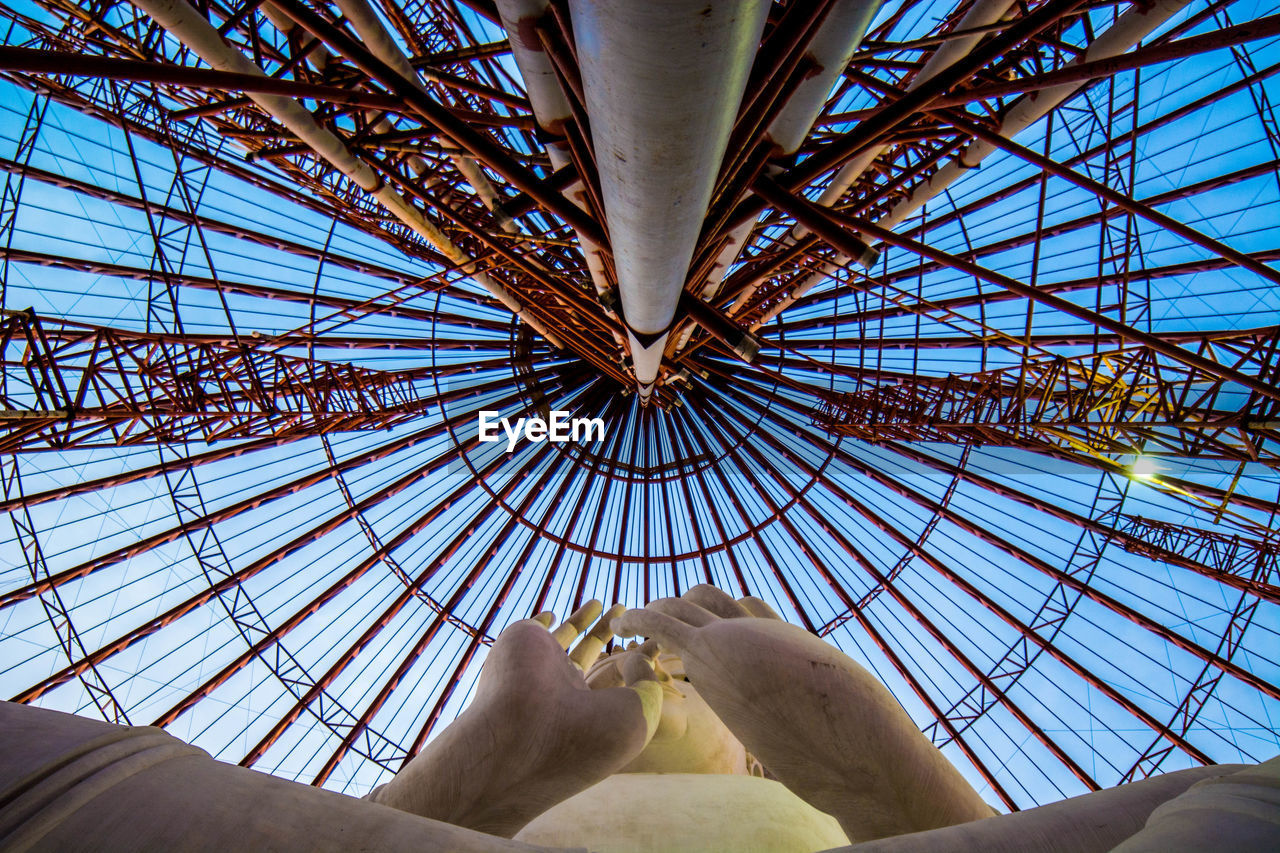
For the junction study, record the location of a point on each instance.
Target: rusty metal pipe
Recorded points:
(380, 41)
(980, 15)
(192, 29)
(1130, 28)
(519, 18)
(828, 54)
(551, 110)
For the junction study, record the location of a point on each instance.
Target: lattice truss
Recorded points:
(253, 307)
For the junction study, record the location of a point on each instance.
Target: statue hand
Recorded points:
(818, 721)
(534, 733)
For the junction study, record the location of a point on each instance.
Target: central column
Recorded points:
(663, 81)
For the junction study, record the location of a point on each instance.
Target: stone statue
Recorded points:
(725, 729)
(652, 747)
(718, 681)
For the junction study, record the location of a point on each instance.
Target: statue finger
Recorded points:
(685, 611)
(546, 619)
(635, 667)
(638, 675)
(607, 671)
(604, 674)
(527, 645)
(759, 608)
(577, 623)
(716, 601)
(593, 642)
(671, 633)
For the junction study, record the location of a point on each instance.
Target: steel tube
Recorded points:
(552, 111)
(662, 81)
(828, 53)
(193, 30)
(979, 15)
(379, 40)
(1133, 26)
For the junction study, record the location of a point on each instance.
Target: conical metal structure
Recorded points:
(965, 359)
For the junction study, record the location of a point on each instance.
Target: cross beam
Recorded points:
(69, 385)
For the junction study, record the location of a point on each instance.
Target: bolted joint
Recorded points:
(608, 299)
(868, 257)
(741, 341)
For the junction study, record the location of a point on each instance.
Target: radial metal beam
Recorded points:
(838, 231)
(1143, 130)
(281, 243)
(1119, 199)
(1032, 238)
(791, 82)
(224, 513)
(388, 304)
(134, 475)
(953, 303)
(1038, 341)
(192, 140)
(32, 61)
(608, 406)
(56, 612)
(1095, 69)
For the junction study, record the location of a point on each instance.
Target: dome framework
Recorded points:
(243, 375)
